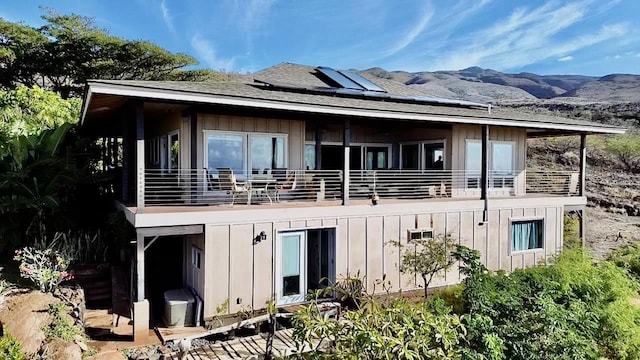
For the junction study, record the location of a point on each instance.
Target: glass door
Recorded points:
(291, 274)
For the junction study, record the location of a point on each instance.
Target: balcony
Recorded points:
(284, 187)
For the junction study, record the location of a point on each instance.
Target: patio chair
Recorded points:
(572, 183)
(288, 185)
(213, 184)
(228, 183)
(443, 190)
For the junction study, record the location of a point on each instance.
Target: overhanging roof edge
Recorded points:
(96, 87)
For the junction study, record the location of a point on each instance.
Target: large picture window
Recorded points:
(501, 164)
(244, 152)
(527, 234)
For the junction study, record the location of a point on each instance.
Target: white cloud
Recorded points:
(565, 58)
(207, 51)
(166, 16)
(414, 32)
(528, 36)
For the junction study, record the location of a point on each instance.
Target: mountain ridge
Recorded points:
(492, 86)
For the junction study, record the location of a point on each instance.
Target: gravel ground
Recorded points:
(607, 231)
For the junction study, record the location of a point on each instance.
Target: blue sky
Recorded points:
(590, 37)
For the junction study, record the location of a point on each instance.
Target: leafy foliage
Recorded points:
(566, 310)
(10, 348)
(628, 258)
(61, 326)
(399, 330)
(70, 49)
(27, 112)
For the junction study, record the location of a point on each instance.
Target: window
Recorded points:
(434, 156)
(173, 152)
(410, 156)
(376, 157)
(501, 164)
(473, 158)
(242, 152)
(420, 234)
(153, 151)
(425, 155)
(527, 234)
(501, 167)
(310, 157)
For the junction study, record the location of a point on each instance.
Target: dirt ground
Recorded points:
(608, 231)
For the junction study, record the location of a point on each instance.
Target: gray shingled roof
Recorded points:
(304, 76)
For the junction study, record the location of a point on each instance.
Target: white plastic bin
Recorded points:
(178, 308)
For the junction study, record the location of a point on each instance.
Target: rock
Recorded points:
(60, 349)
(24, 315)
(79, 340)
(108, 355)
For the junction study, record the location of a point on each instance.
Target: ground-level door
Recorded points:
(305, 260)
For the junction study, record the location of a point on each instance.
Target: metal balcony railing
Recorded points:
(271, 186)
(228, 187)
(553, 182)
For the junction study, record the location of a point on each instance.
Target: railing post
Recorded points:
(347, 156)
(583, 163)
(140, 187)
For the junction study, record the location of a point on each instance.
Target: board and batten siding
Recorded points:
(242, 273)
(295, 129)
(462, 133)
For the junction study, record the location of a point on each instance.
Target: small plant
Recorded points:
(10, 348)
(223, 308)
(60, 326)
(5, 287)
(427, 257)
(349, 290)
(47, 269)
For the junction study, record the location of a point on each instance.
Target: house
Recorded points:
(253, 191)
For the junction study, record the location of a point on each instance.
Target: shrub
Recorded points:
(400, 330)
(47, 269)
(10, 348)
(628, 258)
(60, 326)
(627, 149)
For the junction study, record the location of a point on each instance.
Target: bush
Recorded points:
(60, 326)
(628, 258)
(47, 269)
(627, 149)
(10, 348)
(400, 330)
(568, 310)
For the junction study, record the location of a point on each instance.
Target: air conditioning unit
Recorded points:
(179, 307)
(419, 234)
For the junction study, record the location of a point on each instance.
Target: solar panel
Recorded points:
(362, 81)
(339, 79)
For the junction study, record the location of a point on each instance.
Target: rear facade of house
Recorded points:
(259, 192)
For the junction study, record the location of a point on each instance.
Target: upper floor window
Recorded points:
(245, 152)
(501, 164)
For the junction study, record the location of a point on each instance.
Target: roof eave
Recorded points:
(97, 87)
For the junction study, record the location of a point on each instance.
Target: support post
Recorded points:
(484, 177)
(318, 138)
(583, 164)
(347, 157)
(139, 267)
(193, 154)
(583, 226)
(140, 159)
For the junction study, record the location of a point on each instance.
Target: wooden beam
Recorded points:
(171, 230)
(140, 158)
(193, 133)
(347, 156)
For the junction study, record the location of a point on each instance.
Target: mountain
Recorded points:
(486, 85)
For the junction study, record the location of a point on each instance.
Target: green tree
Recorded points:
(427, 257)
(29, 111)
(627, 149)
(70, 49)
